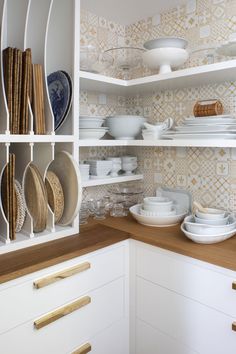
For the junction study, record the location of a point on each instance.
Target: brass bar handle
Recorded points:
(86, 348)
(234, 285)
(63, 274)
(234, 326)
(61, 312)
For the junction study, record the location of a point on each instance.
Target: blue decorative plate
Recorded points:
(60, 95)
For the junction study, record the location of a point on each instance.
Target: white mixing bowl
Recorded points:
(124, 127)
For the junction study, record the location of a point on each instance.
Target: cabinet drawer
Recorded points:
(113, 340)
(106, 307)
(209, 287)
(199, 327)
(23, 302)
(152, 341)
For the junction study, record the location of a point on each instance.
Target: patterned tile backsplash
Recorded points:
(208, 173)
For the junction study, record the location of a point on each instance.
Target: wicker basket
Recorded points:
(208, 108)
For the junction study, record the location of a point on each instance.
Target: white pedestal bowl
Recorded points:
(165, 58)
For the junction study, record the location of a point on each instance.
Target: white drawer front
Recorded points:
(152, 341)
(201, 328)
(206, 286)
(106, 307)
(113, 340)
(19, 304)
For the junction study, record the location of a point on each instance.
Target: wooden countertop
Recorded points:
(105, 233)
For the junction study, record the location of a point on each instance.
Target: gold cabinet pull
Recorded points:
(83, 350)
(61, 312)
(234, 285)
(63, 274)
(234, 326)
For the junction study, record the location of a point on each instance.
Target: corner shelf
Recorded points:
(111, 180)
(190, 77)
(224, 143)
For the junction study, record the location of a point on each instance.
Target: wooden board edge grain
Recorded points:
(16, 264)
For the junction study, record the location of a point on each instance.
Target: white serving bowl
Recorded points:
(91, 122)
(165, 58)
(212, 221)
(96, 134)
(157, 204)
(124, 127)
(207, 239)
(157, 221)
(213, 214)
(203, 229)
(163, 42)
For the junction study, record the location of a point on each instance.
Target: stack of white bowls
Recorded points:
(165, 53)
(84, 171)
(91, 127)
(158, 211)
(100, 168)
(129, 164)
(211, 226)
(116, 165)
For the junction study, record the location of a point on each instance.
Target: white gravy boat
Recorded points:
(159, 128)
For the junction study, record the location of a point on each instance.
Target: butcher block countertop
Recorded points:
(95, 236)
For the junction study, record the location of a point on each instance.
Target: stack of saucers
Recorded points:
(91, 127)
(100, 168)
(208, 227)
(158, 211)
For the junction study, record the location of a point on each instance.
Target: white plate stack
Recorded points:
(100, 168)
(209, 227)
(211, 127)
(158, 212)
(91, 128)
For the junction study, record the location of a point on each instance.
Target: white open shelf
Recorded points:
(111, 180)
(178, 142)
(190, 77)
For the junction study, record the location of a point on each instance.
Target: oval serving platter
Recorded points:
(59, 88)
(55, 195)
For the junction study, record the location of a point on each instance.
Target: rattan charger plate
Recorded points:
(36, 197)
(55, 195)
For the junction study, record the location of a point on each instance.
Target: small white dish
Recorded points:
(91, 122)
(204, 229)
(163, 42)
(207, 239)
(165, 58)
(157, 204)
(154, 221)
(96, 134)
(212, 214)
(213, 221)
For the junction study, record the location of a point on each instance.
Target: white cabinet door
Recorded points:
(199, 327)
(151, 341)
(179, 274)
(106, 307)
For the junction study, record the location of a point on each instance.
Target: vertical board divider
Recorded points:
(4, 224)
(43, 156)
(4, 112)
(36, 38)
(48, 106)
(25, 157)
